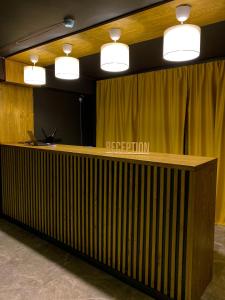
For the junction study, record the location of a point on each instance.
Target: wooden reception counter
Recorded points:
(148, 219)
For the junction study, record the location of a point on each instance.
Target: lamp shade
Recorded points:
(114, 57)
(67, 68)
(34, 75)
(181, 42)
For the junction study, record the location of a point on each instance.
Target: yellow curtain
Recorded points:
(220, 142)
(201, 109)
(206, 121)
(162, 97)
(170, 109)
(116, 110)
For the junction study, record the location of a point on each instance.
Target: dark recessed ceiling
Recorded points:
(21, 18)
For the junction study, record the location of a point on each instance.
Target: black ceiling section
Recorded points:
(22, 18)
(147, 55)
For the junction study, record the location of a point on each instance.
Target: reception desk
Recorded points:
(148, 219)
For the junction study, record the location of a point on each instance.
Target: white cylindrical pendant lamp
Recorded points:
(34, 75)
(181, 42)
(67, 67)
(114, 57)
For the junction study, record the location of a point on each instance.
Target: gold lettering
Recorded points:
(146, 147)
(117, 146)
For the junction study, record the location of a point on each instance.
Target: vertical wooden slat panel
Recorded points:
(46, 192)
(147, 236)
(95, 210)
(9, 185)
(6, 182)
(141, 224)
(45, 189)
(130, 222)
(58, 195)
(82, 204)
(28, 176)
(35, 171)
(160, 230)
(181, 236)
(51, 197)
(109, 233)
(21, 186)
(114, 216)
(125, 198)
(87, 206)
(61, 210)
(42, 188)
(12, 184)
(69, 209)
(64, 198)
(91, 207)
(153, 241)
(36, 190)
(54, 195)
(119, 213)
(41, 183)
(74, 200)
(174, 234)
(6, 195)
(30, 196)
(79, 202)
(135, 220)
(100, 178)
(24, 188)
(105, 212)
(3, 171)
(167, 216)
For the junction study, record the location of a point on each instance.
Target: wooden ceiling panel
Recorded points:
(142, 26)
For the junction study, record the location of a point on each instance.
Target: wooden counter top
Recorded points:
(161, 159)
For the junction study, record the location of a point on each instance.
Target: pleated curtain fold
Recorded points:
(206, 121)
(162, 109)
(179, 110)
(116, 110)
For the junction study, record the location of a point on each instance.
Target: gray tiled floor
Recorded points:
(31, 268)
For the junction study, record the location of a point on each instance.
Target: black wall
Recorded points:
(57, 105)
(61, 109)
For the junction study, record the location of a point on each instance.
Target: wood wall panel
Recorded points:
(16, 113)
(14, 72)
(152, 224)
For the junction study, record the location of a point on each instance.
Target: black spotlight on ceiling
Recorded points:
(69, 22)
